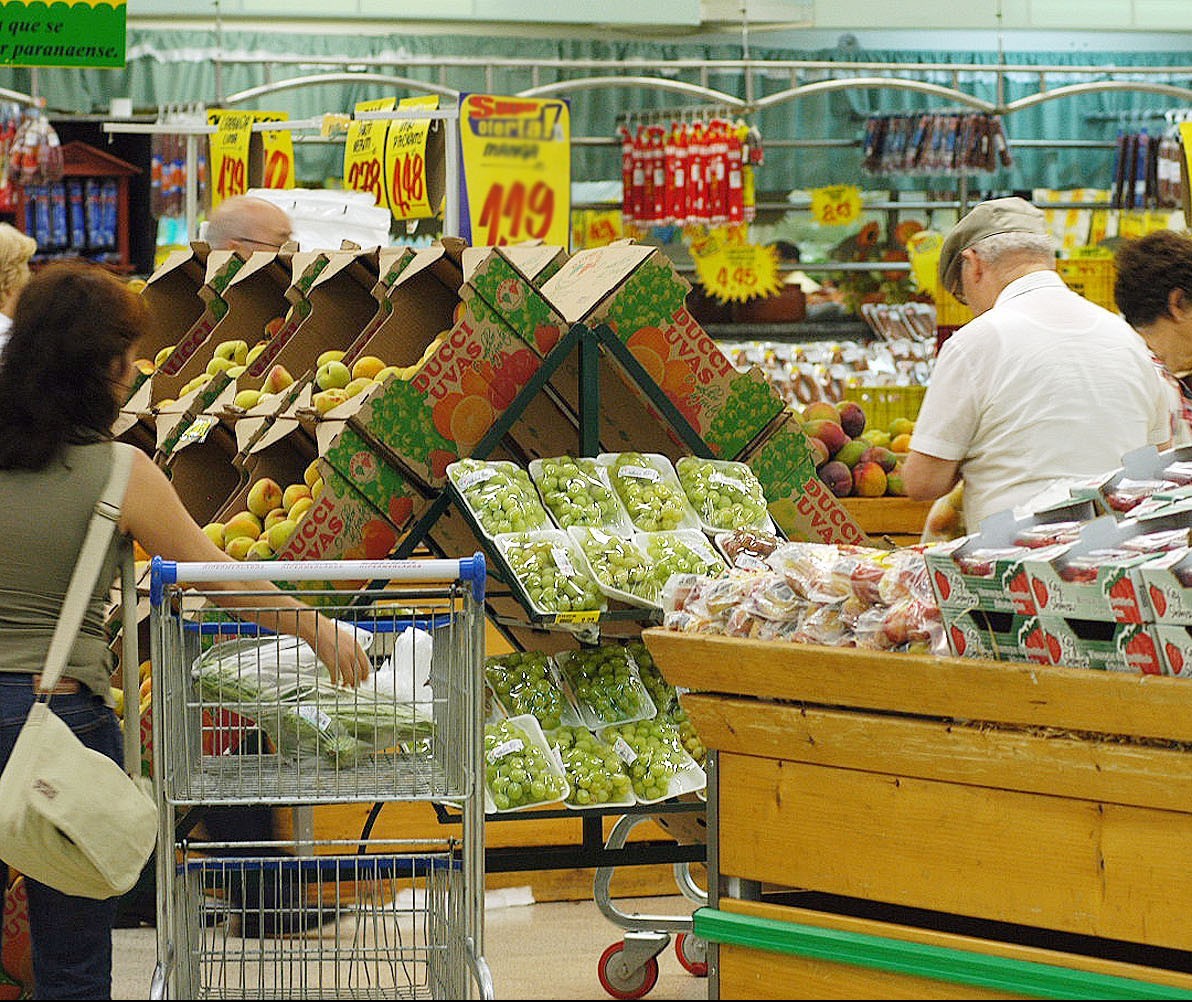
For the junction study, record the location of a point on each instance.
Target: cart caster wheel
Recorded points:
(692, 953)
(621, 983)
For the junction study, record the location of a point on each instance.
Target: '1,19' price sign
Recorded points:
(516, 169)
(836, 205)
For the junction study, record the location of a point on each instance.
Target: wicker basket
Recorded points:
(882, 404)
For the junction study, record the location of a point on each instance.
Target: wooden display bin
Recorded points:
(900, 520)
(1046, 806)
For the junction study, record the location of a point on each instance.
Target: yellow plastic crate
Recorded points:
(950, 311)
(1092, 278)
(882, 404)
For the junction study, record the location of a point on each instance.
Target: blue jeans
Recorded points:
(72, 937)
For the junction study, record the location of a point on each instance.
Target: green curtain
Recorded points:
(167, 68)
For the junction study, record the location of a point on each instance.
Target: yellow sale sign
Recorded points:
(364, 152)
(277, 152)
(836, 205)
(516, 169)
(731, 269)
(405, 162)
(229, 153)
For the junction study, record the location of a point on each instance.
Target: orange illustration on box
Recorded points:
(675, 376)
(464, 416)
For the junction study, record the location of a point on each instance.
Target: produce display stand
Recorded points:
(904, 826)
(900, 520)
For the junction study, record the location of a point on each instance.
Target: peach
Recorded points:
(280, 534)
(293, 494)
(894, 485)
(882, 456)
(263, 496)
(837, 477)
(238, 548)
(819, 452)
(275, 516)
(367, 367)
(277, 379)
(869, 480)
(301, 507)
(327, 400)
(311, 473)
(820, 410)
(901, 442)
(851, 452)
(828, 432)
(260, 550)
(242, 524)
(852, 417)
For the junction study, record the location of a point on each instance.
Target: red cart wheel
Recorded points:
(692, 953)
(621, 983)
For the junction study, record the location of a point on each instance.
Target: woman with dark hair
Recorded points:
(63, 374)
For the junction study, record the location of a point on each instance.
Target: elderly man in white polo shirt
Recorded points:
(1040, 389)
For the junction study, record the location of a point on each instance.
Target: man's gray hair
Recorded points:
(993, 248)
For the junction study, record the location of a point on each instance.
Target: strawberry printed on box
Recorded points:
(1175, 649)
(985, 570)
(1090, 643)
(1165, 583)
(976, 633)
(1097, 577)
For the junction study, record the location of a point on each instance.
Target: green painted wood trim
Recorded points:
(1020, 977)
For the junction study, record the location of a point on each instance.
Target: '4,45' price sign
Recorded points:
(516, 170)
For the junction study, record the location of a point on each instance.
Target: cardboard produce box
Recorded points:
(1092, 643)
(204, 474)
(799, 502)
(1145, 483)
(510, 282)
(1174, 641)
(978, 633)
(467, 368)
(635, 290)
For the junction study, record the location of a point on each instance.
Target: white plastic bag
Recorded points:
(406, 673)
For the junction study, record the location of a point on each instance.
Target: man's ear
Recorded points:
(1179, 305)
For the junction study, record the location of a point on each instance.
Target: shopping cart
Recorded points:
(365, 919)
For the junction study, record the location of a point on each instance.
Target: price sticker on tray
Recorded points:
(516, 169)
(364, 153)
(836, 205)
(406, 162)
(579, 616)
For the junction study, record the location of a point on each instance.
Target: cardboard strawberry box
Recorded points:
(1146, 479)
(1093, 643)
(978, 633)
(799, 502)
(635, 290)
(984, 570)
(1175, 648)
(1097, 577)
(1165, 584)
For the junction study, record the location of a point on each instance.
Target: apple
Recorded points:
(391, 370)
(200, 380)
(316, 489)
(273, 326)
(263, 496)
(358, 386)
(301, 507)
(236, 351)
(218, 365)
(247, 399)
(333, 375)
(331, 355)
(215, 532)
(255, 352)
(162, 355)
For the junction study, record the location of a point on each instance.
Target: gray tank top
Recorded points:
(43, 518)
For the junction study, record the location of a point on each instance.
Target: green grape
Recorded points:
(553, 581)
(517, 771)
(500, 495)
(524, 682)
(594, 771)
(576, 493)
(660, 690)
(605, 683)
(659, 755)
(620, 564)
(726, 495)
(673, 554)
(653, 502)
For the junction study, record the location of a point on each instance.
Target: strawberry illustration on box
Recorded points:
(1090, 643)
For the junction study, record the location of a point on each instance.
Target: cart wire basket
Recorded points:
(375, 925)
(252, 718)
(247, 716)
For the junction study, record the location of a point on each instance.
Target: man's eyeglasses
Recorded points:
(259, 243)
(957, 290)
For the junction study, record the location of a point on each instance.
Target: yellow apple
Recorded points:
(389, 370)
(247, 399)
(254, 352)
(215, 532)
(316, 489)
(358, 386)
(301, 507)
(263, 496)
(331, 355)
(280, 534)
(327, 400)
(200, 380)
(162, 355)
(218, 365)
(333, 375)
(145, 365)
(236, 350)
(311, 473)
(236, 371)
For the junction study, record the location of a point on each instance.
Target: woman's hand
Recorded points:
(337, 647)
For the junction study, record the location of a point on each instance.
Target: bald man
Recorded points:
(246, 224)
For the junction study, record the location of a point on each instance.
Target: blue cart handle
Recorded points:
(164, 572)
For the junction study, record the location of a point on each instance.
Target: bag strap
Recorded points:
(82, 581)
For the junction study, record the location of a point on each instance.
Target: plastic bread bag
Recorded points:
(809, 569)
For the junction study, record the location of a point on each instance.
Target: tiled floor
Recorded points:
(535, 951)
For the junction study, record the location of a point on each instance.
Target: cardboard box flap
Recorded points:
(436, 261)
(391, 262)
(532, 258)
(357, 264)
(281, 428)
(578, 287)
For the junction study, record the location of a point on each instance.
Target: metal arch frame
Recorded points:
(317, 79)
(707, 94)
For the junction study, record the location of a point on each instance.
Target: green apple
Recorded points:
(333, 375)
(237, 351)
(330, 355)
